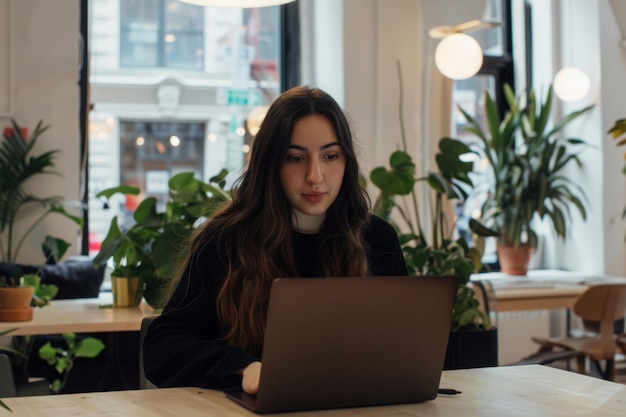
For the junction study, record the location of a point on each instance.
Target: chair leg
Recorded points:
(620, 341)
(580, 364)
(608, 373)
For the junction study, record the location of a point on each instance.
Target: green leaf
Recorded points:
(89, 348)
(56, 386)
(63, 364)
(59, 209)
(48, 353)
(70, 339)
(54, 248)
(397, 181)
(121, 189)
(481, 230)
(146, 211)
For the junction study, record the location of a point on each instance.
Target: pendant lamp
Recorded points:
(458, 56)
(237, 3)
(571, 84)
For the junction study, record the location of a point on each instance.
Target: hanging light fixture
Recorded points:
(571, 84)
(237, 3)
(458, 56)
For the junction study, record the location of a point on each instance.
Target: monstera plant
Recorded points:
(432, 250)
(429, 241)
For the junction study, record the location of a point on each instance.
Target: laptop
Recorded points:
(352, 342)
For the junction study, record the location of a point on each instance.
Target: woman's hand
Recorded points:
(251, 375)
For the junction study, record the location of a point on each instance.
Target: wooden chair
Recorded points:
(602, 303)
(9, 388)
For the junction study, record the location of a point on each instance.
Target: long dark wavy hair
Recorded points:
(254, 232)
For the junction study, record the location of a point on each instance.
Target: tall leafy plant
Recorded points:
(18, 167)
(434, 251)
(150, 248)
(527, 156)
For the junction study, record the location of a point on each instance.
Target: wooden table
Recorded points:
(81, 315)
(530, 390)
(539, 290)
(86, 315)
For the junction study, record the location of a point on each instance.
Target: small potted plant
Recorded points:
(15, 299)
(146, 254)
(526, 157)
(21, 292)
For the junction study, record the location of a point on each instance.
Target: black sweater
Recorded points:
(182, 346)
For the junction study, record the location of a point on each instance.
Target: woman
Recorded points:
(297, 211)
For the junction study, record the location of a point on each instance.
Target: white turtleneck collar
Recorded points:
(304, 223)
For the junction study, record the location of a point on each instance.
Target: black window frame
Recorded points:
(501, 67)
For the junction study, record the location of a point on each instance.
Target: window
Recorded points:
(151, 152)
(161, 33)
(171, 87)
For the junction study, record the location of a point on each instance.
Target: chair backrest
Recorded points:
(144, 383)
(603, 303)
(7, 384)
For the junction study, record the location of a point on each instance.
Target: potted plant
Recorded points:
(19, 295)
(17, 167)
(63, 359)
(15, 301)
(526, 157)
(436, 252)
(20, 292)
(149, 251)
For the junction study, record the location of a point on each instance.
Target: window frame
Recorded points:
(290, 76)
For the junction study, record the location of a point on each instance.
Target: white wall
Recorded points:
(612, 90)
(44, 45)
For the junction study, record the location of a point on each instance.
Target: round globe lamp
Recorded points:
(458, 56)
(237, 3)
(571, 84)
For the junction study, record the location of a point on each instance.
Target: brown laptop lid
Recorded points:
(346, 342)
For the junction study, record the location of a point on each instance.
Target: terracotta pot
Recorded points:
(15, 303)
(514, 261)
(125, 291)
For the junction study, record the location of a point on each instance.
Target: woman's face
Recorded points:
(312, 172)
